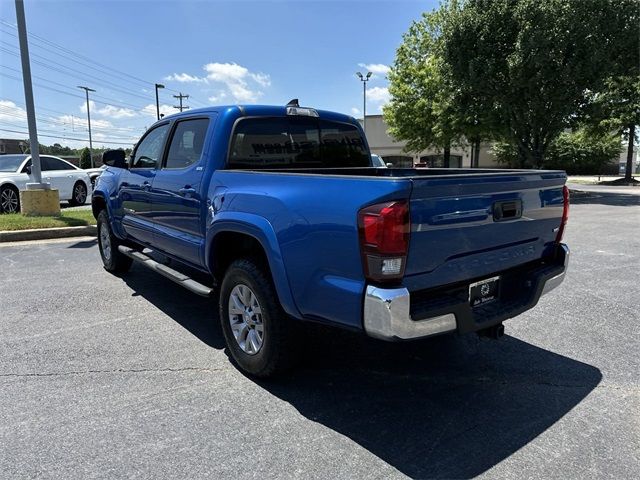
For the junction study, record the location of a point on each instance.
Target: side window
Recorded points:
(56, 164)
(149, 150)
(46, 164)
(187, 143)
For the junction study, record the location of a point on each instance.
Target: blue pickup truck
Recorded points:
(282, 216)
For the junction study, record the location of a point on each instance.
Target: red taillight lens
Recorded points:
(384, 238)
(565, 214)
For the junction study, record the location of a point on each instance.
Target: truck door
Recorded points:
(178, 194)
(135, 184)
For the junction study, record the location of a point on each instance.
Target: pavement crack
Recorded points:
(116, 370)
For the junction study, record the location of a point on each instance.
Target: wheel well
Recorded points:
(97, 205)
(9, 185)
(229, 246)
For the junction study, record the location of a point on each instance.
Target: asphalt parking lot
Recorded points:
(106, 377)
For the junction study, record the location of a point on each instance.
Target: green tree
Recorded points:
(616, 107)
(422, 110)
(529, 65)
(85, 158)
(582, 152)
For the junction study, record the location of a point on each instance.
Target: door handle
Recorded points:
(146, 186)
(187, 191)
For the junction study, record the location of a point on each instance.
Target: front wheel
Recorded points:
(9, 199)
(79, 195)
(112, 259)
(258, 333)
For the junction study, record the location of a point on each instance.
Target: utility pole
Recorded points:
(364, 80)
(34, 147)
(180, 97)
(158, 85)
(87, 90)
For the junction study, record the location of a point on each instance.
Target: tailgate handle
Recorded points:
(507, 210)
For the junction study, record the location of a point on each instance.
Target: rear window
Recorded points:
(294, 142)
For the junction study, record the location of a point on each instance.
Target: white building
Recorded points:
(393, 152)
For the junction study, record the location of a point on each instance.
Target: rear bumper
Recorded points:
(391, 313)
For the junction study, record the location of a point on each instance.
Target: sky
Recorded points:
(217, 52)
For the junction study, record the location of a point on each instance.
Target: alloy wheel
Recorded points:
(9, 200)
(245, 318)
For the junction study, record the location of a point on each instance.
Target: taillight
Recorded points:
(565, 214)
(384, 239)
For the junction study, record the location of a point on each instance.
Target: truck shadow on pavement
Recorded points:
(447, 407)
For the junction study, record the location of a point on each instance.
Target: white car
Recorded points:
(72, 183)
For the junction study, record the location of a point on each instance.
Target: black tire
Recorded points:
(278, 349)
(112, 259)
(9, 199)
(78, 194)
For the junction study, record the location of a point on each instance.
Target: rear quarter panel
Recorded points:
(314, 219)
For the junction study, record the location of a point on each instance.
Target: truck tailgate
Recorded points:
(470, 226)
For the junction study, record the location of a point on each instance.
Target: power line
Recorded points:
(83, 57)
(66, 138)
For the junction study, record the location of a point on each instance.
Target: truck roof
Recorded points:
(259, 111)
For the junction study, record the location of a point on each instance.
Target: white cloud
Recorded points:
(108, 110)
(11, 112)
(116, 112)
(166, 110)
(185, 78)
(376, 68)
(218, 97)
(378, 95)
(240, 83)
(355, 111)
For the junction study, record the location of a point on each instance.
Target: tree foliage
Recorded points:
(530, 64)
(422, 109)
(85, 158)
(582, 152)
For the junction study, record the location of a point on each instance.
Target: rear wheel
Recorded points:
(113, 260)
(260, 336)
(9, 199)
(79, 195)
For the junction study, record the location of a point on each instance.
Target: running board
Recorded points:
(170, 273)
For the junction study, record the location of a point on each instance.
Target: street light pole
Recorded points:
(34, 147)
(158, 85)
(364, 80)
(87, 90)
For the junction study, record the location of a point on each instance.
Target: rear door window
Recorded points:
(294, 142)
(187, 143)
(56, 164)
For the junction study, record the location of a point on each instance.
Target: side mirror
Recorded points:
(28, 169)
(389, 165)
(114, 158)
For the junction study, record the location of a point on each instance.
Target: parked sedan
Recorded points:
(72, 183)
(94, 173)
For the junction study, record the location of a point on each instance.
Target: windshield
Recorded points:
(11, 163)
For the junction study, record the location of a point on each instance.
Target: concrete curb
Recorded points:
(47, 233)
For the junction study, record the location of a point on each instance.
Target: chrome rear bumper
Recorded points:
(387, 313)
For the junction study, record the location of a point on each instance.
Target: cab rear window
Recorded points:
(295, 142)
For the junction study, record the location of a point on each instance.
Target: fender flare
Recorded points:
(259, 228)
